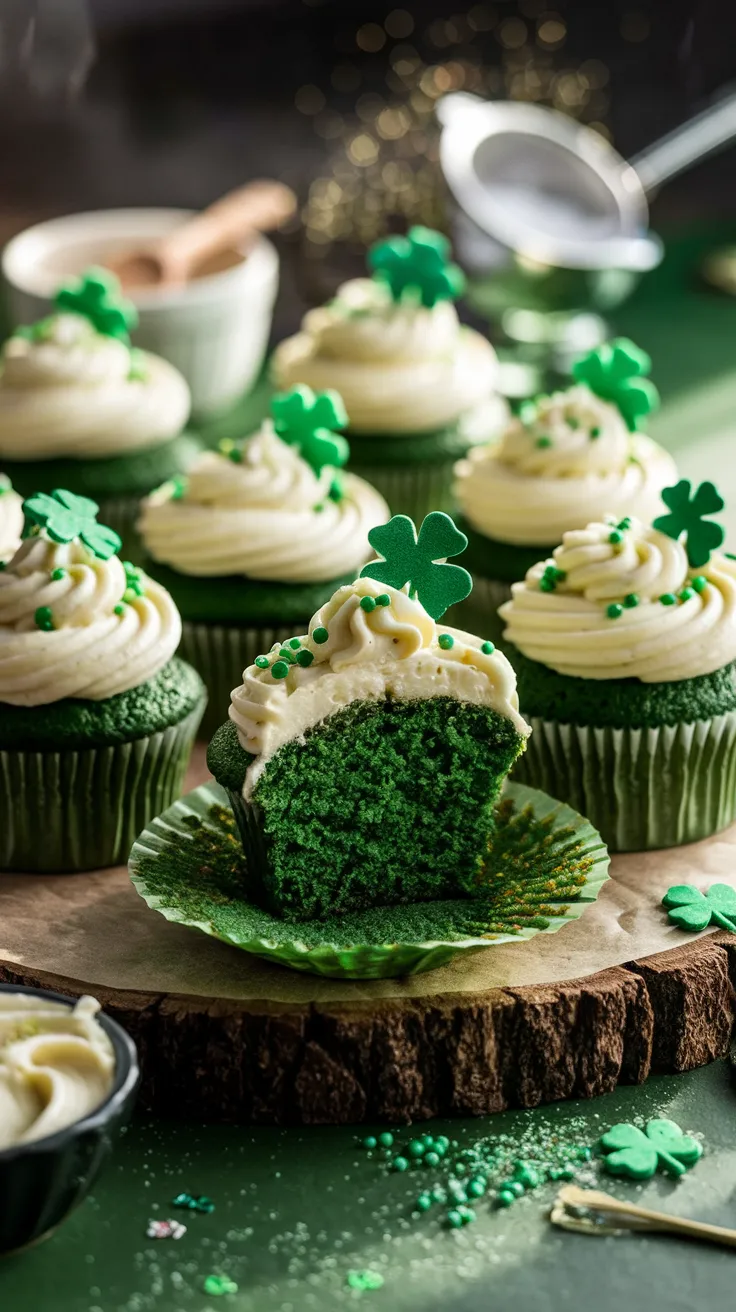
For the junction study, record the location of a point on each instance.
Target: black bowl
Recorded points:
(43, 1181)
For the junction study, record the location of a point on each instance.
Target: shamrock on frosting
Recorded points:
(687, 515)
(96, 295)
(638, 1153)
(615, 372)
(420, 561)
(693, 910)
(419, 263)
(65, 517)
(308, 421)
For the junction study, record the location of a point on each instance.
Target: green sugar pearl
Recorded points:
(287, 655)
(369, 1141)
(614, 610)
(446, 641)
(624, 523)
(320, 635)
(262, 662)
(417, 1148)
(686, 594)
(57, 574)
(700, 582)
(119, 609)
(615, 537)
(383, 599)
(304, 657)
(423, 1203)
(543, 443)
(367, 604)
(488, 648)
(630, 600)
(595, 432)
(295, 643)
(668, 599)
(279, 669)
(44, 619)
(400, 1164)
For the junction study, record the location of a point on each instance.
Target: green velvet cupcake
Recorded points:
(257, 536)
(80, 409)
(418, 387)
(567, 459)
(624, 644)
(363, 759)
(97, 717)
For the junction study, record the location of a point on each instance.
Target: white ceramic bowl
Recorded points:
(215, 329)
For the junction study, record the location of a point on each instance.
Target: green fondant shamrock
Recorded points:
(687, 515)
(693, 910)
(638, 1154)
(65, 517)
(419, 561)
(615, 372)
(96, 295)
(308, 421)
(419, 263)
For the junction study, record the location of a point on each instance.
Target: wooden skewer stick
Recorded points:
(643, 1218)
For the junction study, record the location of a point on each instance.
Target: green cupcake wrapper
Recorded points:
(478, 614)
(220, 654)
(412, 490)
(82, 810)
(641, 788)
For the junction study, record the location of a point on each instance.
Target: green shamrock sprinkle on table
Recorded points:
(97, 297)
(308, 421)
(65, 516)
(687, 518)
(420, 560)
(417, 265)
(690, 909)
(616, 372)
(364, 1280)
(638, 1154)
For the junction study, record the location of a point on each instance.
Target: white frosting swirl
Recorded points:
(11, 521)
(70, 393)
(92, 652)
(390, 650)
(268, 516)
(56, 1066)
(399, 367)
(574, 461)
(567, 628)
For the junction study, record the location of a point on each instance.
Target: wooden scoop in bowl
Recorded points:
(231, 222)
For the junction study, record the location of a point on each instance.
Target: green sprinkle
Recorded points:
(400, 1164)
(446, 641)
(686, 594)
(488, 648)
(668, 599)
(178, 487)
(57, 574)
(279, 669)
(504, 1198)
(216, 1285)
(432, 1158)
(614, 610)
(477, 1188)
(513, 1187)
(364, 1280)
(262, 662)
(295, 643)
(624, 524)
(423, 1203)
(615, 537)
(287, 655)
(383, 599)
(700, 582)
(319, 636)
(119, 609)
(417, 1148)
(527, 1176)
(44, 619)
(454, 1219)
(631, 600)
(543, 442)
(386, 1140)
(304, 657)
(547, 584)
(367, 604)
(595, 432)
(369, 1141)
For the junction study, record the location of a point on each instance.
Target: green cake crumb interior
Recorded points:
(383, 802)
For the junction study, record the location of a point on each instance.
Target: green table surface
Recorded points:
(297, 1209)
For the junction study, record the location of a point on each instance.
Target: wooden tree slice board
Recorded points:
(223, 1036)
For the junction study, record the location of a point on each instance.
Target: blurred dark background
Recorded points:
(117, 102)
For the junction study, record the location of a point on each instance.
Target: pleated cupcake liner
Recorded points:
(220, 654)
(82, 809)
(641, 788)
(411, 489)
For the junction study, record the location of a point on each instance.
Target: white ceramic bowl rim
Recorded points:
(21, 254)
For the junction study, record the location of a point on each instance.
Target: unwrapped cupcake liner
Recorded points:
(478, 614)
(82, 810)
(641, 788)
(220, 653)
(411, 489)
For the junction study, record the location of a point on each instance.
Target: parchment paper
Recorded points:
(95, 929)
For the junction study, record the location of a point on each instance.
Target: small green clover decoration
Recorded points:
(615, 372)
(639, 1153)
(687, 515)
(690, 909)
(418, 263)
(96, 296)
(65, 517)
(308, 421)
(420, 560)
